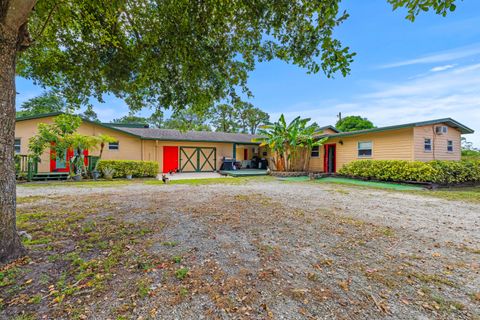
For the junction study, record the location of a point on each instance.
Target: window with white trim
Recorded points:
(315, 152)
(427, 145)
(449, 146)
(113, 146)
(365, 149)
(18, 145)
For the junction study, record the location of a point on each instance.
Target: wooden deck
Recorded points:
(244, 172)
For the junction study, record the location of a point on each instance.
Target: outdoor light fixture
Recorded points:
(341, 142)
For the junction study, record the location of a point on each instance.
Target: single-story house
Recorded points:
(191, 151)
(195, 151)
(417, 141)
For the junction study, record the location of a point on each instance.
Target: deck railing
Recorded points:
(92, 161)
(25, 166)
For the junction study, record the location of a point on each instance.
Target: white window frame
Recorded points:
(311, 153)
(19, 145)
(448, 146)
(371, 150)
(116, 143)
(425, 143)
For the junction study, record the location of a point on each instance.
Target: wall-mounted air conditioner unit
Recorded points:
(441, 130)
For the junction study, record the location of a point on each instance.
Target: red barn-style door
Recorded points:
(170, 159)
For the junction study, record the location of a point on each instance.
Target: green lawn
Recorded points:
(85, 183)
(469, 194)
(225, 180)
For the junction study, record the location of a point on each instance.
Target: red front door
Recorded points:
(58, 164)
(63, 165)
(170, 159)
(245, 154)
(330, 158)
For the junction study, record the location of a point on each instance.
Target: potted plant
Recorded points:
(95, 174)
(108, 173)
(129, 173)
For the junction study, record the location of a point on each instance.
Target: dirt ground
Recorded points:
(261, 250)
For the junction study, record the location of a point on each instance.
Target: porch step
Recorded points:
(47, 176)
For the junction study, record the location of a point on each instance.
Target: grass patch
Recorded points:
(224, 180)
(468, 194)
(369, 184)
(170, 243)
(432, 278)
(81, 184)
(29, 199)
(181, 273)
(177, 259)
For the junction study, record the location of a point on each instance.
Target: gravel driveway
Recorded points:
(284, 250)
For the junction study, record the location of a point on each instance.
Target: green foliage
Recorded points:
(181, 273)
(130, 119)
(176, 53)
(239, 117)
(155, 120)
(353, 123)
(188, 119)
(47, 102)
(470, 155)
(61, 136)
(414, 7)
(225, 118)
(469, 152)
(443, 172)
(133, 167)
(291, 142)
(90, 114)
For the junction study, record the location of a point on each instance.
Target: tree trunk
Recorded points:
(10, 244)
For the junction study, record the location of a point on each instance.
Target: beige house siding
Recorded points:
(328, 131)
(439, 144)
(153, 150)
(387, 145)
(129, 146)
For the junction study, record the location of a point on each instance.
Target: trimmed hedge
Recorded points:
(133, 167)
(442, 172)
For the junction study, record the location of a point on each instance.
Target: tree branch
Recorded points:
(49, 17)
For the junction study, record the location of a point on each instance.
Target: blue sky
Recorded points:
(403, 72)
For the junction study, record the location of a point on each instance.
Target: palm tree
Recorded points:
(290, 142)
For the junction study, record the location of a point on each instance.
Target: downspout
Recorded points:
(433, 142)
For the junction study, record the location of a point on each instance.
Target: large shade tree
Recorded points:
(47, 102)
(157, 54)
(353, 123)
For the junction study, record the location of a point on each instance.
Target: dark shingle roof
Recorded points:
(331, 128)
(449, 121)
(200, 136)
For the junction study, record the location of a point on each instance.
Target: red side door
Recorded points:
(60, 165)
(330, 158)
(170, 159)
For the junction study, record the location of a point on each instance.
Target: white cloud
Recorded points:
(454, 93)
(444, 56)
(442, 68)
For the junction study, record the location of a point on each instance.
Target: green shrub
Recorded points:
(470, 155)
(443, 172)
(133, 167)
